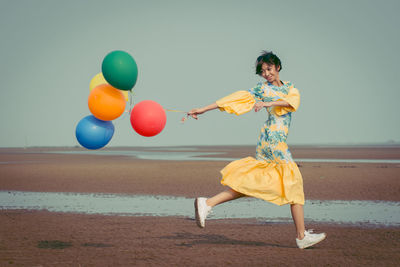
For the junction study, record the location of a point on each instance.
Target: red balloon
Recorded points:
(148, 118)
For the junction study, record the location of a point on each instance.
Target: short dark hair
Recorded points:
(269, 58)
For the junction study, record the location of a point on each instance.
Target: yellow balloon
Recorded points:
(125, 93)
(98, 79)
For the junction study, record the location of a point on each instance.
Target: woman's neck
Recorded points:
(278, 83)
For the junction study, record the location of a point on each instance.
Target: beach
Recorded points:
(38, 237)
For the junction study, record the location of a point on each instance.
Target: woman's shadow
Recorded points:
(190, 239)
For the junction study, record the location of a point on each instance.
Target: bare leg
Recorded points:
(298, 218)
(222, 197)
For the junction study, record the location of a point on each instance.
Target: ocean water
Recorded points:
(375, 213)
(183, 155)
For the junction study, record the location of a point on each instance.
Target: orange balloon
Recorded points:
(106, 103)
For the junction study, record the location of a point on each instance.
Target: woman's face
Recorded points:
(270, 73)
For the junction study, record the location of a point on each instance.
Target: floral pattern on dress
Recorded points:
(271, 145)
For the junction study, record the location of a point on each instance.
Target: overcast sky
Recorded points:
(341, 55)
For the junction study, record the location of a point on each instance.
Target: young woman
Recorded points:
(273, 175)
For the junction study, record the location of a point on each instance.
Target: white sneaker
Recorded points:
(310, 239)
(201, 211)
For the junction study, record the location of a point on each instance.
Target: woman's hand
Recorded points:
(260, 105)
(197, 111)
(194, 112)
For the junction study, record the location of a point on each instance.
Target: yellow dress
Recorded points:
(273, 175)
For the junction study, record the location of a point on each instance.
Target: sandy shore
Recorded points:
(27, 238)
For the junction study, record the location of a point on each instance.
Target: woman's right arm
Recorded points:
(197, 111)
(238, 103)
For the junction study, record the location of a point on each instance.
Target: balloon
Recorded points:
(106, 103)
(148, 118)
(92, 133)
(125, 93)
(120, 70)
(98, 79)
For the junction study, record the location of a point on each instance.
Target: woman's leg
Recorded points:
(304, 238)
(222, 197)
(298, 218)
(203, 205)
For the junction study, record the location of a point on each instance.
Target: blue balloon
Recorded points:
(93, 133)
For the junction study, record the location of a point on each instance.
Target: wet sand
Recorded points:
(94, 240)
(31, 170)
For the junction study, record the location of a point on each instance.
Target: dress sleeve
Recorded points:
(292, 98)
(239, 102)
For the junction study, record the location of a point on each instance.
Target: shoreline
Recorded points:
(303, 152)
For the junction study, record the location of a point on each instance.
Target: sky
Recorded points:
(341, 55)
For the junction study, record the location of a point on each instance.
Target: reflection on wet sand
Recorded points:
(336, 211)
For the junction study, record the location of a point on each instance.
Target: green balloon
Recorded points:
(120, 70)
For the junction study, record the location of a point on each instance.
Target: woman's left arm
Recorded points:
(260, 105)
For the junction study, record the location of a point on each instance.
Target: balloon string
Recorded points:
(174, 110)
(131, 104)
(184, 118)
